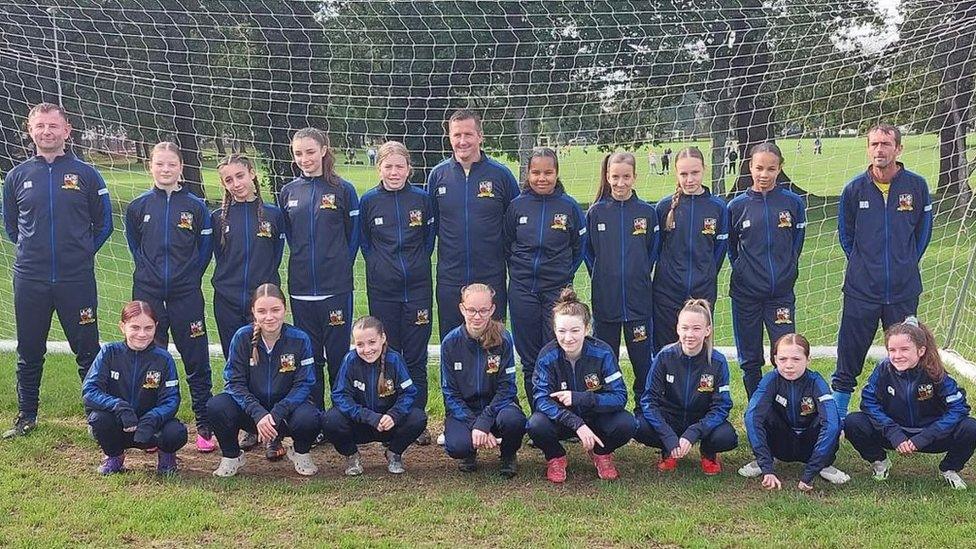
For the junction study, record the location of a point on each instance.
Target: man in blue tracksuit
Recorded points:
(689, 258)
(249, 240)
(766, 231)
(471, 193)
(397, 239)
(169, 236)
(620, 254)
(56, 210)
(322, 228)
(546, 234)
(884, 224)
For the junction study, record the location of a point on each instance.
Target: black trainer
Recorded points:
(23, 425)
(468, 464)
(509, 467)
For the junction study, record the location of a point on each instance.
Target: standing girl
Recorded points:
(693, 239)
(687, 397)
(766, 228)
(169, 235)
(792, 416)
(321, 214)
(132, 393)
(373, 400)
(578, 391)
(250, 238)
(545, 234)
(478, 381)
(398, 231)
(910, 404)
(620, 255)
(268, 380)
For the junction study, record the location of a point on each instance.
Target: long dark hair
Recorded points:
(603, 190)
(328, 160)
(371, 322)
(237, 158)
(921, 336)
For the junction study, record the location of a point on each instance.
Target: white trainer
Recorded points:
(834, 475)
(303, 463)
(750, 470)
(229, 466)
(880, 469)
(354, 465)
(441, 439)
(954, 480)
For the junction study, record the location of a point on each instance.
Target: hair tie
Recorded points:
(911, 321)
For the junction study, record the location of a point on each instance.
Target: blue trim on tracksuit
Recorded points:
(689, 258)
(144, 381)
(766, 232)
(690, 394)
(247, 253)
(356, 392)
(799, 416)
(59, 215)
(477, 383)
(322, 229)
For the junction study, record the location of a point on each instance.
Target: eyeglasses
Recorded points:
(477, 312)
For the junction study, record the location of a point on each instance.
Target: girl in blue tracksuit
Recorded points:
(792, 417)
(268, 379)
(687, 398)
(766, 228)
(884, 223)
(620, 253)
(169, 234)
(578, 391)
(321, 213)
(398, 231)
(693, 238)
(910, 404)
(478, 381)
(545, 234)
(249, 239)
(373, 400)
(132, 393)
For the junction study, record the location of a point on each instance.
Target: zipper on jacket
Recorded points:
(688, 372)
(166, 247)
(247, 253)
(691, 247)
(623, 270)
(538, 253)
(50, 198)
(311, 234)
(133, 403)
(467, 245)
(886, 253)
(403, 266)
(769, 247)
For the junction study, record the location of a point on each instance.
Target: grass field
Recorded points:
(53, 497)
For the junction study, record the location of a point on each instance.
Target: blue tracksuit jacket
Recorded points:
(145, 380)
(477, 384)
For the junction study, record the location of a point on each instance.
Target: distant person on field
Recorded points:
(653, 162)
(884, 224)
(666, 161)
(733, 160)
(57, 212)
(817, 146)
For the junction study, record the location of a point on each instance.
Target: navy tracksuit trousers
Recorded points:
(858, 326)
(408, 330)
(328, 323)
(749, 316)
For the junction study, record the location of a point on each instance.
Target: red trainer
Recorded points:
(556, 470)
(605, 468)
(711, 466)
(667, 464)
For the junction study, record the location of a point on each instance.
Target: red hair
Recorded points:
(135, 308)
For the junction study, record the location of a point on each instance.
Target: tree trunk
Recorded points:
(220, 145)
(955, 97)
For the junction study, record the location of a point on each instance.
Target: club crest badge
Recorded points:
(906, 203)
(196, 329)
(70, 182)
(336, 318)
(152, 380)
(328, 202)
(416, 218)
(486, 190)
(783, 316)
(559, 222)
(785, 219)
(287, 363)
(706, 383)
(86, 316)
(423, 317)
(640, 333)
(925, 391)
(264, 229)
(592, 382)
(640, 226)
(708, 225)
(186, 221)
(494, 362)
(807, 406)
(387, 389)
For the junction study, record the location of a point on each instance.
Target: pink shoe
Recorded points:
(206, 442)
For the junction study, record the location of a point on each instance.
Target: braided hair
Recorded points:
(265, 290)
(687, 152)
(373, 323)
(238, 158)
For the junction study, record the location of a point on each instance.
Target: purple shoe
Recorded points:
(166, 463)
(112, 464)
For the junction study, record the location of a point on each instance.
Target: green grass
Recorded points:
(52, 497)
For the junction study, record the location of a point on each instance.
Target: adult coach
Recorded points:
(884, 223)
(57, 211)
(471, 192)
